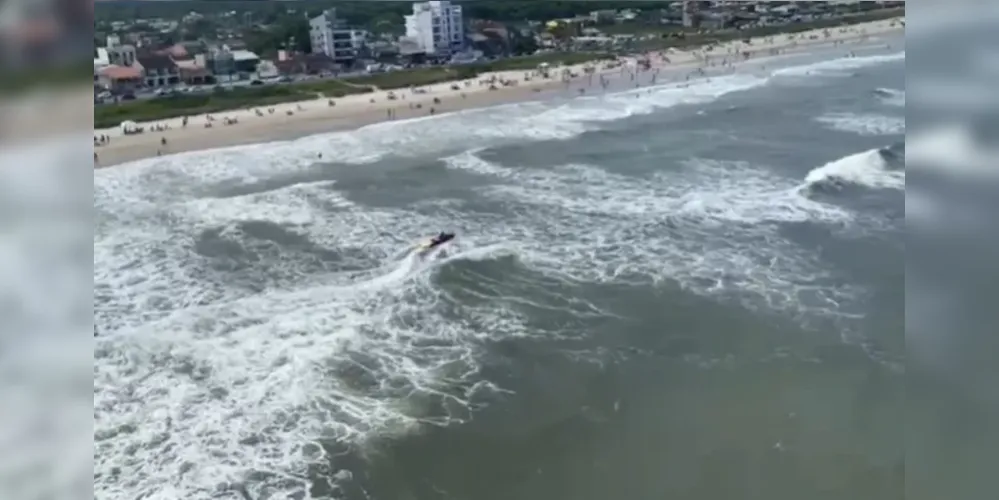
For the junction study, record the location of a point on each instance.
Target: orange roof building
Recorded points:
(115, 72)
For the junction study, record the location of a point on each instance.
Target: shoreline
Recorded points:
(298, 119)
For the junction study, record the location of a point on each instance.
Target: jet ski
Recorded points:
(436, 241)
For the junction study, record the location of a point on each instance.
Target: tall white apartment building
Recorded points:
(437, 27)
(331, 36)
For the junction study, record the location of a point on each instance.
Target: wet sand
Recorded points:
(291, 120)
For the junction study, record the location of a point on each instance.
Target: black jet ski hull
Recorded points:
(436, 242)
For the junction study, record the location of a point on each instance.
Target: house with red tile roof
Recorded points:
(120, 79)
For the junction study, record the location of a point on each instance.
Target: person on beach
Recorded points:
(639, 72)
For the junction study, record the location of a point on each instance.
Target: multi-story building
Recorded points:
(359, 38)
(121, 79)
(158, 70)
(101, 61)
(219, 61)
(332, 37)
(691, 14)
(245, 62)
(437, 27)
(696, 12)
(119, 54)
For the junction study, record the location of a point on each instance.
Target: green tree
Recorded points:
(363, 13)
(200, 28)
(289, 32)
(562, 31)
(521, 44)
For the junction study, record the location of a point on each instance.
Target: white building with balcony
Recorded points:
(437, 27)
(330, 35)
(101, 61)
(121, 55)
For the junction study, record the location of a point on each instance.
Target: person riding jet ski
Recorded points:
(438, 240)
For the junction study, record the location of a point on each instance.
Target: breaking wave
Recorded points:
(249, 329)
(837, 67)
(875, 168)
(864, 124)
(891, 97)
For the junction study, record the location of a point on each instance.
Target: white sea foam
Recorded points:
(524, 121)
(867, 168)
(649, 99)
(891, 97)
(292, 205)
(838, 67)
(477, 127)
(204, 385)
(199, 384)
(599, 226)
(864, 124)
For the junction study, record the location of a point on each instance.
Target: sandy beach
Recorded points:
(290, 120)
(689, 282)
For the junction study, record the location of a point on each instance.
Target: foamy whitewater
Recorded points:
(264, 331)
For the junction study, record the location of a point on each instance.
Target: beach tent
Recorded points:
(128, 126)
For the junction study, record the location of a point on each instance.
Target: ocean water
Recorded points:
(687, 290)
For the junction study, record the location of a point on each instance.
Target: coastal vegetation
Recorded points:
(378, 17)
(284, 25)
(111, 115)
